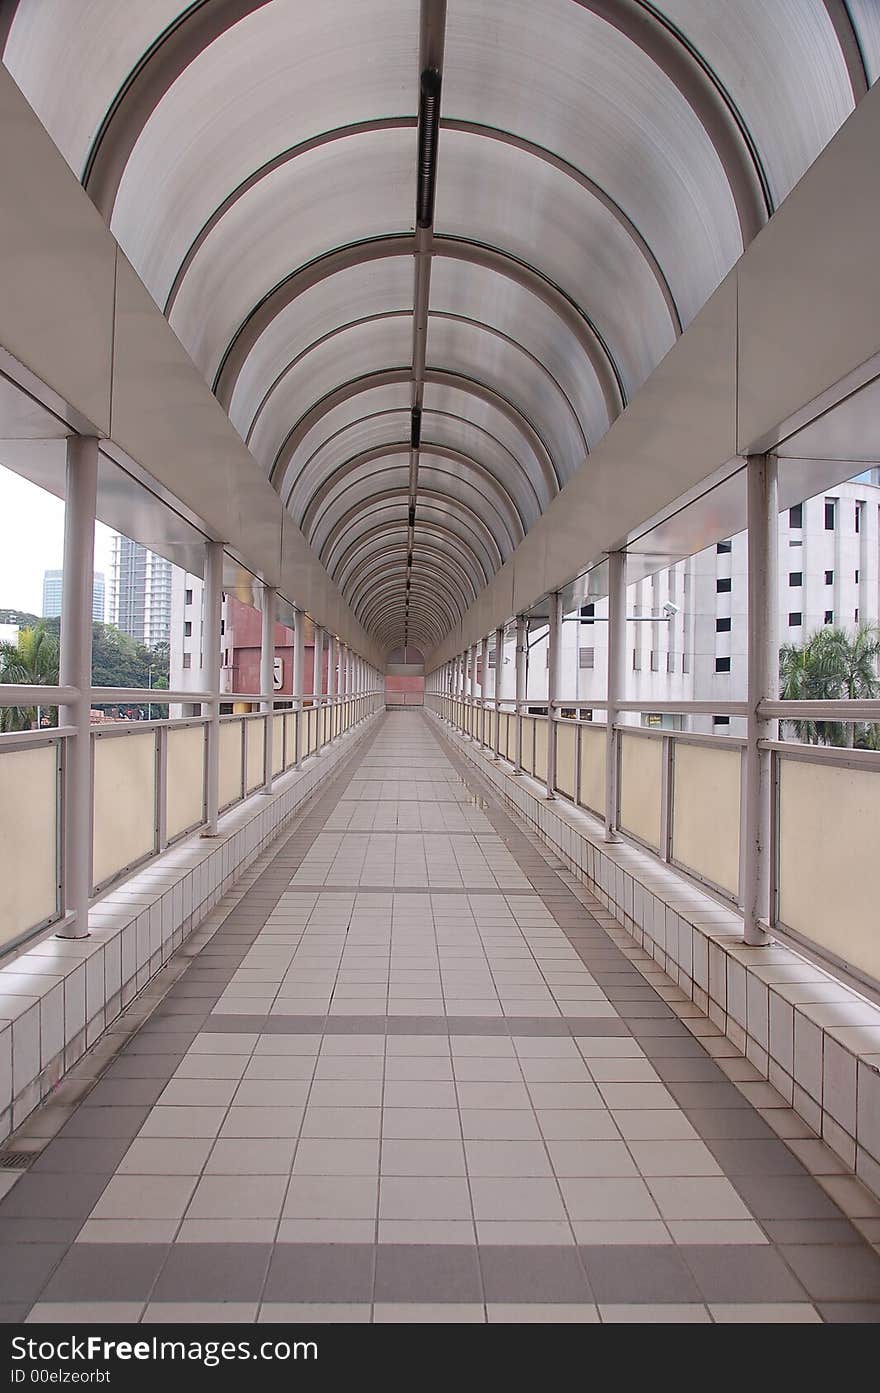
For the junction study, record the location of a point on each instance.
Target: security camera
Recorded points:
(671, 610)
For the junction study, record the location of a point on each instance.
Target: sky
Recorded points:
(32, 541)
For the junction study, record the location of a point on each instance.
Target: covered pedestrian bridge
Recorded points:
(427, 328)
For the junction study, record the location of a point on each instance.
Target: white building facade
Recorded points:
(688, 636)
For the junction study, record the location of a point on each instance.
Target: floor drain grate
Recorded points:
(15, 1160)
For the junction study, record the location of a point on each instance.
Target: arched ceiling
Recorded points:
(425, 253)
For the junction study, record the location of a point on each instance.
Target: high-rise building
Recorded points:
(140, 592)
(52, 588)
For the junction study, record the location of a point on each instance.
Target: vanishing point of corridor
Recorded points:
(418, 1074)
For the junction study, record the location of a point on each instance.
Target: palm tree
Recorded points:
(833, 665)
(31, 660)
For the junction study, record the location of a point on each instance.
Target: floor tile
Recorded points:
(320, 1272)
(213, 1271)
(546, 1274)
(410, 1272)
(315, 1313)
(780, 1312)
(106, 1272)
(200, 1312)
(85, 1313)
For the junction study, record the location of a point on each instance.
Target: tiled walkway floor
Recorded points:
(414, 1076)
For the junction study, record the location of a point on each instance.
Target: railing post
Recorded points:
(554, 645)
(267, 681)
(667, 782)
(522, 653)
(472, 655)
(484, 687)
(75, 670)
(299, 664)
(616, 685)
(213, 601)
(499, 673)
(763, 685)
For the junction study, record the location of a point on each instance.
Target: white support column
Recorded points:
(616, 684)
(318, 684)
(267, 680)
(496, 690)
(213, 609)
(554, 647)
(484, 687)
(763, 685)
(522, 650)
(299, 668)
(331, 685)
(75, 670)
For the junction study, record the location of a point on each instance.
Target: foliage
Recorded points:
(117, 661)
(31, 660)
(833, 664)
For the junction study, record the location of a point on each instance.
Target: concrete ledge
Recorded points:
(57, 996)
(815, 1039)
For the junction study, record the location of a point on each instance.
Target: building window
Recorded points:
(637, 661)
(655, 661)
(857, 575)
(722, 665)
(795, 577)
(829, 616)
(721, 720)
(793, 543)
(492, 657)
(859, 507)
(222, 627)
(830, 514)
(685, 662)
(670, 662)
(587, 612)
(724, 547)
(723, 585)
(722, 626)
(856, 616)
(187, 629)
(187, 660)
(829, 577)
(586, 657)
(795, 618)
(796, 515)
(188, 597)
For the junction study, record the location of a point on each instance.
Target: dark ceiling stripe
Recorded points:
(153, 75)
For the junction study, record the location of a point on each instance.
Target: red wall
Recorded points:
(246, 625)
(404, 691)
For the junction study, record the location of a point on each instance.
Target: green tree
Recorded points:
(31, 660)
(833, 664)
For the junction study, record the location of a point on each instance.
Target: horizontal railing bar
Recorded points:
(824, 754)
(45, 735)
(109, 696)
(846, 710)
(26, 695)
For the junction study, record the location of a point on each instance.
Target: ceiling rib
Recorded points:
(390, 376)
(572, 315)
